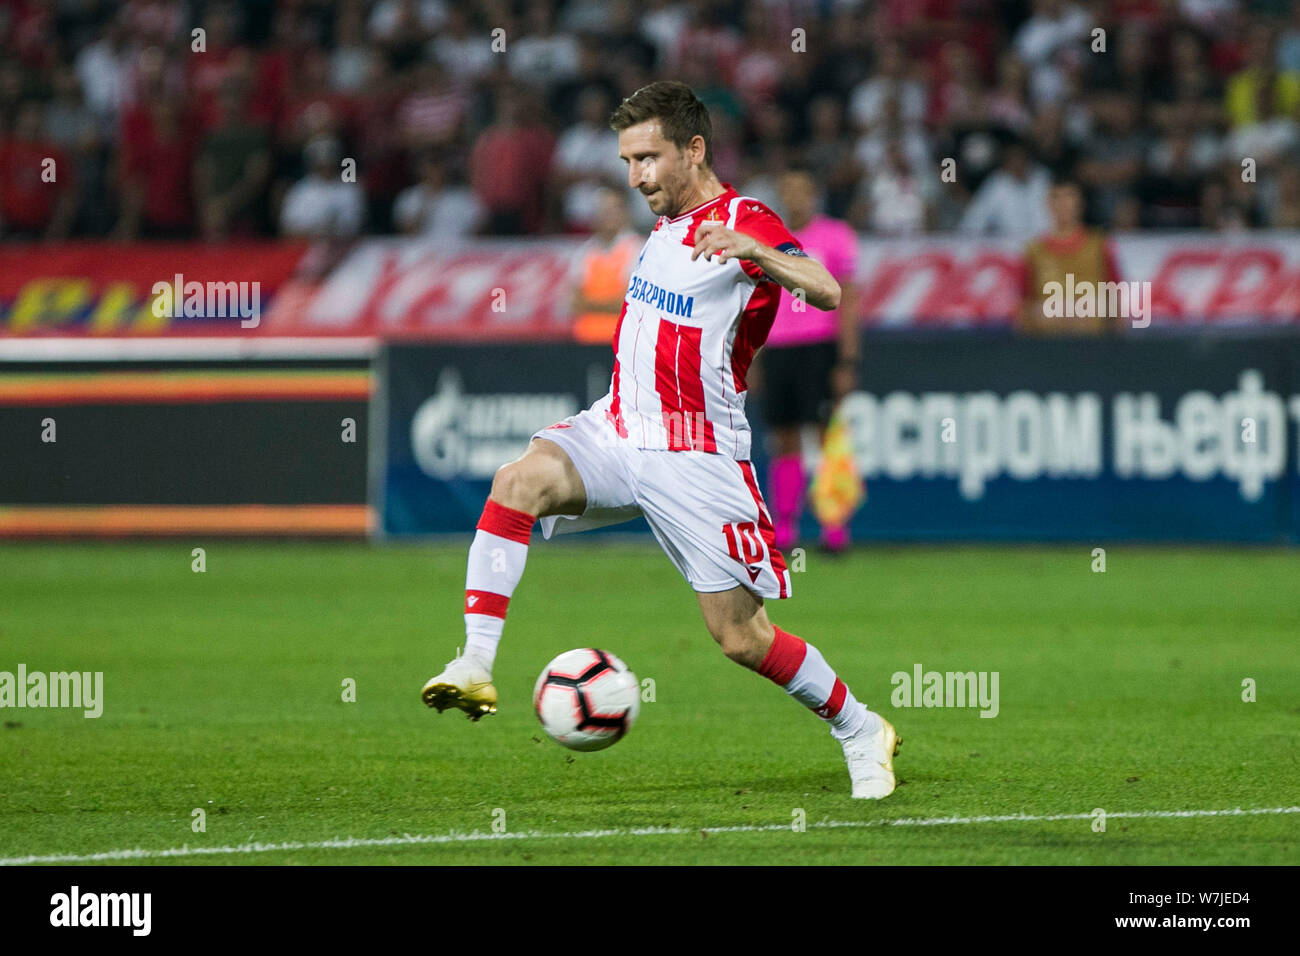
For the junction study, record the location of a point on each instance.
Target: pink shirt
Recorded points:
(833, 244)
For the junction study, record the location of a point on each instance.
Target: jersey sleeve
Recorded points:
(757, 220)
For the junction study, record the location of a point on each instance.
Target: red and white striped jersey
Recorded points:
(688, 332)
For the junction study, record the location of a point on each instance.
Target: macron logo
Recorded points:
(102, 909)
(471, 601)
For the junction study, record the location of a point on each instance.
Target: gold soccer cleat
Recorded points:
(870, 757)
(465, 685)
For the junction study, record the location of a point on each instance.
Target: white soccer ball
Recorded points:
(586, 699)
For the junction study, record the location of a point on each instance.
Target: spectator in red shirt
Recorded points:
(509, 165)
(31, 204)
(31, 34)
(209, 69)
(156, 162)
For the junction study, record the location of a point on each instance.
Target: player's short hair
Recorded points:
(681, 114)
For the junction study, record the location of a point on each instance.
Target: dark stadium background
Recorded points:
(395, 80)
(469, 139)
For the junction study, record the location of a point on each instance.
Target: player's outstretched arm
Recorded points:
(820, 290)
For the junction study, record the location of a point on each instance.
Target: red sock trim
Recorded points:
(784, 658)
(835, 704)
(506, 522)
(485, 602)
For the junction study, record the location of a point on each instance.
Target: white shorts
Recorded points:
(705, 509)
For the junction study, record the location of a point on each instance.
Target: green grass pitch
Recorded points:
(223, 692)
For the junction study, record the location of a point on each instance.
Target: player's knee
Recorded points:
(516, 486)
(739, 643)
(720, 630)
(736, 648)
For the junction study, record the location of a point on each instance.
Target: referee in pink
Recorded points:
(810, 360)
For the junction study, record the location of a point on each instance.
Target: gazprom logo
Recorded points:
(657, 297)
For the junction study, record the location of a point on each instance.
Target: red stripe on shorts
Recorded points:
(765, 526)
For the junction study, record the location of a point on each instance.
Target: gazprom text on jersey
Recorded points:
(660, 298)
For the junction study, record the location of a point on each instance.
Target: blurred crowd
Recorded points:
(221, 120)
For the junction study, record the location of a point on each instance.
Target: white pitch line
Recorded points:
(474, 836)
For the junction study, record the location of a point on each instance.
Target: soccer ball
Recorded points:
(586, 699)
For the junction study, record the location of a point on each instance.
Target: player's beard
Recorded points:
(676, 197)
(652, 197)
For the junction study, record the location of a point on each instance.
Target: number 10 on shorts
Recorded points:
(744, 542)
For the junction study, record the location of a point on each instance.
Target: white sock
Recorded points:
(496, 563)
(802, 671)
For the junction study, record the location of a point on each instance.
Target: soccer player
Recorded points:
(809, 361)
(670, 440)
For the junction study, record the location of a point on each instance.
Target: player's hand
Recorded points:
(713, 238)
